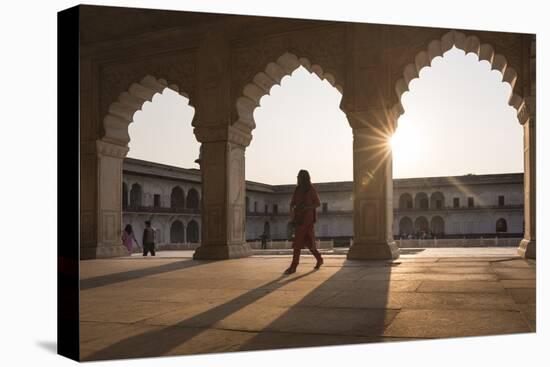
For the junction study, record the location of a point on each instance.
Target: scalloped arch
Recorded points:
(470, 44)
(121, 112)
(273, 74)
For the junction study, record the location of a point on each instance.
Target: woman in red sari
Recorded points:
(303, 207)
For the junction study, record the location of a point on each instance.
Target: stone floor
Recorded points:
(138, 307)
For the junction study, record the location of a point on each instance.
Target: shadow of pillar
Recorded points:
(351, 306)
(147, 345)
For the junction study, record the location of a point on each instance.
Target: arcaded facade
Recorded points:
(225, 64)
(470, 206)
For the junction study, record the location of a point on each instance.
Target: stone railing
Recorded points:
(283, 245)
(169, 247)
(460, 242)
(451, 208)
(152, 209)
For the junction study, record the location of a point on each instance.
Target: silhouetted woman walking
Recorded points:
(303, 207)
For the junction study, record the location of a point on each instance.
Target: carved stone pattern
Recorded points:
(111, 150)
(239, 137)
(523, 114)
(179, 69)
(236, 174)
(412, 37)
(324, 47)
(404, 46)
(230, 134)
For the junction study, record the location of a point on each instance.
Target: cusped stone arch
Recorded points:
(192, 200)
(192, 231)
(437, 225)
(177, 198)
(136, 195)
(406, 226)
(405, 201)
(263, 81)
(125, 193)
(421, 224)
(437, 200)
(177, 232)
(469, 44)
(421, 201)
(501, 225)
(121, 112)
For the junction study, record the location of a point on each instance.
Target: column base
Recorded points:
(103, 252)
(528, 249)
(373, 251)
(222, 252)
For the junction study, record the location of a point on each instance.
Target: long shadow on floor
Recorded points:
(109, 279)
(139, 346)
(348, 307)
(351, 306)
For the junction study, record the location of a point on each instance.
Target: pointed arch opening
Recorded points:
(421, 225)
(437, 226)
(406, 227)
(468, 44)
(136, 196)
(177, 198)
(421, 201)
(124, 195)
(405, 201)
(437, 200)
(192, 199)
(289, 102)
(501, 225)
(177, 232)
(121, 113)
(458, 92)
(192, 232)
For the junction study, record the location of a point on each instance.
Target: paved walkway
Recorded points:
(170, 305)
(405, 252)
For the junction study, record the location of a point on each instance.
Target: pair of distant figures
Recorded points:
(148, 240)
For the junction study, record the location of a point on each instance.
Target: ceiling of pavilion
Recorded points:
(105, 23)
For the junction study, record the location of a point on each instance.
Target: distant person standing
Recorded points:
(266, 235)
(128, 238)
(148, 239)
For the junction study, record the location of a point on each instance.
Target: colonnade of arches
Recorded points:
(181, 234)
(436, 226)
(223, 146)
(421, 224)
(178, 199)
(421, 201)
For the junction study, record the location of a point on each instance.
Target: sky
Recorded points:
(457, 121)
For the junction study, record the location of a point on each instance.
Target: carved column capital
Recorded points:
(231, 134)
(110, 149)
(383, 121)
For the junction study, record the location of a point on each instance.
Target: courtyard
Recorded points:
(132, 307)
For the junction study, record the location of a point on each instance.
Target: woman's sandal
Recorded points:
(290, 271)
(318, 265)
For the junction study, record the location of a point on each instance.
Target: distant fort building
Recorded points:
(470, 206)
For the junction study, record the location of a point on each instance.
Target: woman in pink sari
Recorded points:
(128, 238)
(303, 207)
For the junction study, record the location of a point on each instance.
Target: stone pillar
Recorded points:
(101, 200)
(527, 247)
(372, 196)
(223, 193)
(185, 231)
